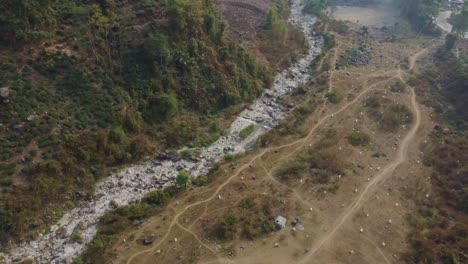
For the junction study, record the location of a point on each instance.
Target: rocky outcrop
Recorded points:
(5, 95)
(130, 185)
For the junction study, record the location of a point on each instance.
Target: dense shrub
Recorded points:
(358, 139)
(389, 116)
(333, 97)
(251, 219)
(317, 164)
(157, 198)
(439, 229)
(183, 179)
(329, 41)
(246, 132)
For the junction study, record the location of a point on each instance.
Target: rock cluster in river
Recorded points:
(131, 184)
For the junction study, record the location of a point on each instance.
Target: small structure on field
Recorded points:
(280, 222)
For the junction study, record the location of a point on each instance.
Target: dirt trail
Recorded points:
(412, 60)
(175, 219)
(197, 238)
(245, 166)
(378, 249)
(294, 191)
(371, 186)
(384, 174)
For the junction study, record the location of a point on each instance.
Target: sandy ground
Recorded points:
(377, 16)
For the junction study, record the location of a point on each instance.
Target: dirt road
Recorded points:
(384, 174)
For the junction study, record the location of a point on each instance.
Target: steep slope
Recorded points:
(88, 86)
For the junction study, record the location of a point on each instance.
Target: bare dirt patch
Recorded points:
(377, 16)
(245, 18)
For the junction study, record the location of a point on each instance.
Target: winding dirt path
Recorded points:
(247, 165)
(384, 174)
(412, 60)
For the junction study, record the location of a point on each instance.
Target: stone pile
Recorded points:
(358, 57)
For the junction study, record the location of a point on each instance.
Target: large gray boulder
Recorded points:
(5, 94)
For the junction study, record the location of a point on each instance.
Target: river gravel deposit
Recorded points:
(130, 185)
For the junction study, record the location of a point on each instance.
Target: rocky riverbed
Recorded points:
(131, 184)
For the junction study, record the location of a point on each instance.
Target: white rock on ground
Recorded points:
(131, 184)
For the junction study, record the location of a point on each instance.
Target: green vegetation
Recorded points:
(76, 238)
(231, 157)
(190, 153)
(333, 97)
(420, 13)
(443, 87)
(317, 164)
(389, 116)
(157, 198)
(204, 180)
(246, 132)
(251, 219)
(293, 125)
(340, 27)
(315, 7)
(450, 42)
(114, 222)
(329, 41)
(109, 83)
(280, 44)
(25, 20)
(460, 20)
(441, 224)
(439, 229)
(397, 87)
(183, 179)
(359, 138)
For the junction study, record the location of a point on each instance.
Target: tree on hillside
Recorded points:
(272, 17)
(460, 21)
(420, 13)
(183, 178)
(157, 46)
(278, 27)
(450, 41)
(25, 20)
(162, 107)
